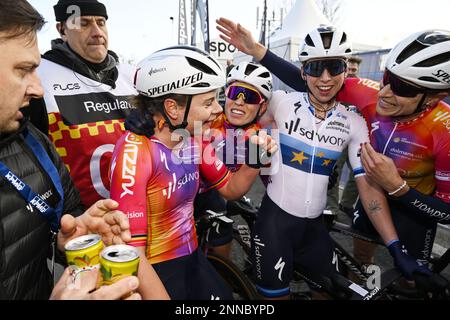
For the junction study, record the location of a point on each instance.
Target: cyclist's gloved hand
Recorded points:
(407, 264)
(259, 150)
(140, 123)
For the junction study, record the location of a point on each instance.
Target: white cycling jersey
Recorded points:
(309, 148)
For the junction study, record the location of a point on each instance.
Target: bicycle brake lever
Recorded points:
(218, 215)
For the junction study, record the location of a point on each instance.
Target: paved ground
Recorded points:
(382, 256)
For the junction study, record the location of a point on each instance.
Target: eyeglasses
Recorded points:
(334, 66)
(400, 87)
(249, 95)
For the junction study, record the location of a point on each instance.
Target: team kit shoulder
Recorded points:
(130, 150)
(127, 137)
(277, 95)
(353, 112)
(284, 93)
(359, 92)
(293, 93)
(282, 99)
(439, 119)
(131, 136)
(368, 83)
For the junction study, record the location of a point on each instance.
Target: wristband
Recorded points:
(391, 242)
(398, 189)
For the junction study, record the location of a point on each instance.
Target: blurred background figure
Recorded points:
(353, 66)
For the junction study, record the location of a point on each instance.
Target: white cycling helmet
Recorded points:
(423, 59)
(253, 74)
(325, 42)
(178, 70)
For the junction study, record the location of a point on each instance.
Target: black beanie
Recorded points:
(87, 8)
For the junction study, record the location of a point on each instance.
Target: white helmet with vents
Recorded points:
(181, 70)
(325, 42)
(423, 58)
(253, 74)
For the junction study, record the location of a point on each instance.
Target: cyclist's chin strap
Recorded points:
(421, 107)
(184, 124)
(334, 97)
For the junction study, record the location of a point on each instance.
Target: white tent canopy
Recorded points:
(303, 17)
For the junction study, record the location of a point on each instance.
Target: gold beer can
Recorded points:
(117, 262)
(83, 253)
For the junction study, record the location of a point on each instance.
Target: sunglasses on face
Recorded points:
(316, 68)
(400, 87)
(247, 94)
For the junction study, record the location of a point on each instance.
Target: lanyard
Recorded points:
(53, 215)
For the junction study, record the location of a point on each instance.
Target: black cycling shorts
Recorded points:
(279, 239)
(416, 233)
(192, 277)
(212, 200)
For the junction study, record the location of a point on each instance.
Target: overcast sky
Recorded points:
(139, 27)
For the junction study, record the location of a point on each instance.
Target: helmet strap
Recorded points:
(184, 124)
(332, 99)
(421, 107)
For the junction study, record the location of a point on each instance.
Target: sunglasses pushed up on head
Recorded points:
(400, 87)
(249, 95)
(315, 68)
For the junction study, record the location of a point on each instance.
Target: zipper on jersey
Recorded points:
(389, 139)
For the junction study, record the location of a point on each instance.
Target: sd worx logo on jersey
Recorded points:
(312, 134)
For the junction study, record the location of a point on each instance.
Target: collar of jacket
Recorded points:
(105, 72)
(7, 138)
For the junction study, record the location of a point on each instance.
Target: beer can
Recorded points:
(83, 253)
(117, 262)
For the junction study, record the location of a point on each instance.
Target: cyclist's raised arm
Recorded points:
(287, 72)
(242, 39)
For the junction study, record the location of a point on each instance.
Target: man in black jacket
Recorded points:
(86, 93)
(40, 208)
